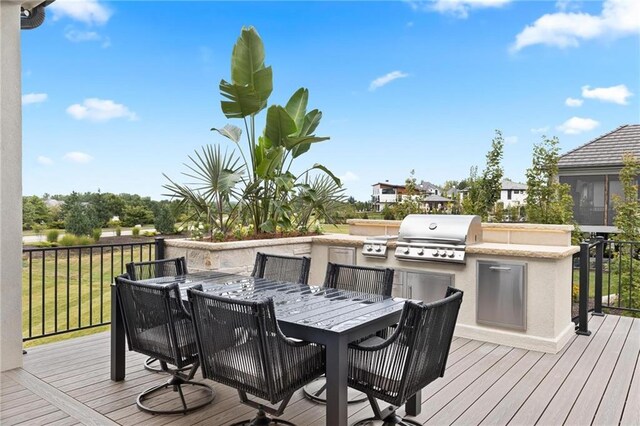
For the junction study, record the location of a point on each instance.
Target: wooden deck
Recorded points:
(593, 380)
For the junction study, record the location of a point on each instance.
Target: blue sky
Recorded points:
(115, 93)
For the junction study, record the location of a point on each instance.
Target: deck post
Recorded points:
(583, 321)
(597, 308)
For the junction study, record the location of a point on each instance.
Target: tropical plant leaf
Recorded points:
(297, 107)
(311, 121)
(271, 161)
(333, 177)
(242, 100)
(292, 142)
(263, 84)
(247, 57)
(230, 131)
(279, 125)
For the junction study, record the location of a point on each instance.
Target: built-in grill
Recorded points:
(441, 238)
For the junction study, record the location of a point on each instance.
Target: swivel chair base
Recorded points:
(261, 419)
(317, 392)
(176, 382)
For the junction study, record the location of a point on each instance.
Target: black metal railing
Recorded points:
(67, 289)
(611, 267)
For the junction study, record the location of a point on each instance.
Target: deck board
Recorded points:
(593, 379)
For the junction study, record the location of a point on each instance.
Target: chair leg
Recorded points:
(150, 364)
(175, 382)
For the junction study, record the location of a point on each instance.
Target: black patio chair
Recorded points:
(157, 268)
(354, 278)
(394, 369)
(154, 269)
(241, 346)
(282, 268)
(157, 325)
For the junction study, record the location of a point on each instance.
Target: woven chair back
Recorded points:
(282, 268)
(359, 278)
(157, 268)
(242, 347)
(155, 321)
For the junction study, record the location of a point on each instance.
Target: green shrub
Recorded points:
(149, 233)
(118, 231)
(84, 240)
(68, 240)
(96, 234)
(80, 220)
(164, 222)
(135, 231)
(52, 236)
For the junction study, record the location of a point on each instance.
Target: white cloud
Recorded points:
(577, 125)
(77, 157)
(87, 11)
(540, 129)
(386, 79)
(573, 102)
(562, 29)
(511, 140)
(78, 36)
(457, 8)
(615, 94)
(45, 161)
(94, 109)
(349, 177)
(34, 98)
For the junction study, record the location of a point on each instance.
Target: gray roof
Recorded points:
(605, 150)
(437, 199)
(509, 184)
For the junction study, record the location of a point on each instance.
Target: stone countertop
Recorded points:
(496, 249)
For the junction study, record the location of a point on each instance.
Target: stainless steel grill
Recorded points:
(441, 238)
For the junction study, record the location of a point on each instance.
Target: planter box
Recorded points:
(236, 257)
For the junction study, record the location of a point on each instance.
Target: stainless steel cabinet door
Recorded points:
(501, 296)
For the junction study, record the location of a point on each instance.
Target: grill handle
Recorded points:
(499, 268)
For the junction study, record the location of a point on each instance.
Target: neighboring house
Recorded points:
(428, 188)
(592, 171)
(437, 203)
(385, 193)
(513, 193)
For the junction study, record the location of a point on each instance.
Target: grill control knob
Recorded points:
(451, 253)
(435, 252)
(420, 252)
(378, 249)
(369, 248)
(407, 250)
(443, 253)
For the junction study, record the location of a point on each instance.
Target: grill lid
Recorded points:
(446, 229)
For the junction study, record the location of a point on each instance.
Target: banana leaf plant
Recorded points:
(269, 185)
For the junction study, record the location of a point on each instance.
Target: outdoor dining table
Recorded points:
(330, 317)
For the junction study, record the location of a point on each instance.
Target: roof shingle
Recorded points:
(605, 150)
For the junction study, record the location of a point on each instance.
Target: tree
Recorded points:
(80, 220)
(490, 184)
(548, 201)
(34, 212)
(411, 202)
(471, 201)
(627, 221)
(164, 220)
(137, 215)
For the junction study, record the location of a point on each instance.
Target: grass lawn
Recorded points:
(341, 228)
(85, 289)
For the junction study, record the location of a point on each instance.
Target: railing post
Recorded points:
(159, 248)
(583, 321)
(597, 306)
